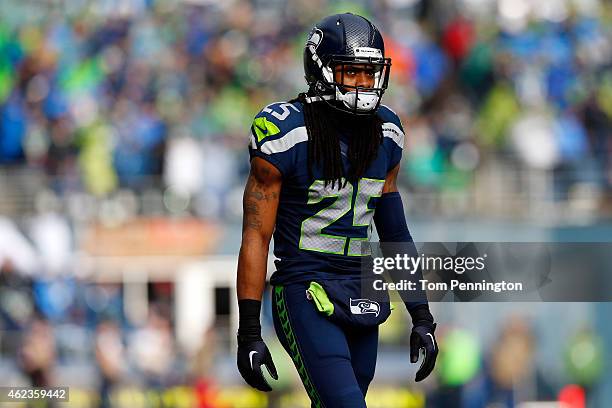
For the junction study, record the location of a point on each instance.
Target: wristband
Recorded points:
(249, 328)
(421, 314)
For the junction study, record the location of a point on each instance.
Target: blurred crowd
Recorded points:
(58, 332)
(109, 95)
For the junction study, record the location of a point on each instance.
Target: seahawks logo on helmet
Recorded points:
(364, 306)
(315, 38)
(313, 43)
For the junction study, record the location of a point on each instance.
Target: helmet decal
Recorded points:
(313, 43)
(368, 52)
(315, 38)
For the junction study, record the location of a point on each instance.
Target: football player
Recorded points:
(322, 167)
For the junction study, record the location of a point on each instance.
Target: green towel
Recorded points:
(317, 293)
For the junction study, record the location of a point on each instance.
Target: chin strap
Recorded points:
(305, 98)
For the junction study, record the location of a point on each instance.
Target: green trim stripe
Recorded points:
(294, 350)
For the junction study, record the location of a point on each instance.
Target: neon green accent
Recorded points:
(318, 294)
(293, 348)
(264, 128)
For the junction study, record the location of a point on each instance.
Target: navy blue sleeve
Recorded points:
(395, 238)
(276, 129)
(393, 136)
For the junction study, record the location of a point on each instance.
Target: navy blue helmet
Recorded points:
(344, 40)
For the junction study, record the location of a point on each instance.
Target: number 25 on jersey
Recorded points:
(312, 237)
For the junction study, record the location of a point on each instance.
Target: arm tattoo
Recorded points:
(255, 194)
(252, 215)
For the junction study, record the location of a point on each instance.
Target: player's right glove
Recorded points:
(251, 356)
(252, 351)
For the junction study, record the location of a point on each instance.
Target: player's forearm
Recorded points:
(260, 203)
(252, 266)
(391, 225)
(250, 285)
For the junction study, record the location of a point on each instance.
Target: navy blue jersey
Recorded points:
(319, 229)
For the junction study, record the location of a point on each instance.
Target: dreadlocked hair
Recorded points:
(324, 125)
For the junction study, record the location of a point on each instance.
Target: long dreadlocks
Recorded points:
(324, 125)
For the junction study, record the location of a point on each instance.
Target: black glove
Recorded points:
(422, 337)
(252, 351)
(251, 356)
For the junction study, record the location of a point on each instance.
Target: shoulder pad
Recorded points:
(392, 126)
(388, 115)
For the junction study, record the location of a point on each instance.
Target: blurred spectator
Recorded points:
(52, 236)
(511, 374)
(203, 372)
(460, 363)
(152, 350)
(110, 356)
(16, 304)
(510, 362)
(37, 357)
(585, 358)
(16, 253)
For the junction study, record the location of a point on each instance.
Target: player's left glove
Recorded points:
(252, 351)
(423, 338)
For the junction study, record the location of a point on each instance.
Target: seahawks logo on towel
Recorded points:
(364, 306)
